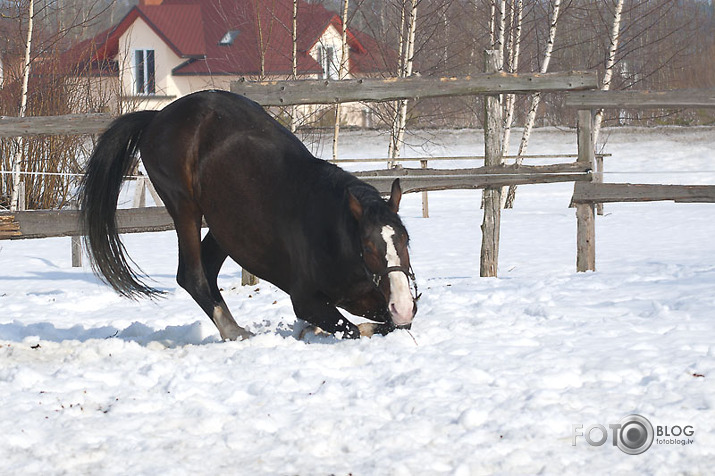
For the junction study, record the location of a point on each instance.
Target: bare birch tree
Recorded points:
(400, 70)
(610, 63)
(16, 165)
(407, 51)
(513, 51)
(294, 64)
(500, 35)
(38, 164)
(535, 99)
(342, 69)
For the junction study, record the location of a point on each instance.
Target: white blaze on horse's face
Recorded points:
(401, 305)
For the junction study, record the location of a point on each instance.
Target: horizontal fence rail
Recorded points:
(49, 223)
(67, 124)
(628, 192)
(284, 93)
(424, 180)
(682, 98)
(463, 157)
(52, 223)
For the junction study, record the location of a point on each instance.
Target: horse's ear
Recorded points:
(395, 196)
(355, 206)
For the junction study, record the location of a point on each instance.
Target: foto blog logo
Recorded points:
(633, 434)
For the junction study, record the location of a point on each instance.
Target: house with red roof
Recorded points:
(165, 49)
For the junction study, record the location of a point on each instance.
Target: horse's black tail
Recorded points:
(113, 158)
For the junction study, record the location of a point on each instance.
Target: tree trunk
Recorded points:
(610, 63)
(492, 22)
(398, 130)
(261, 50)
(512, 66)
(16, 166)
(294, 65)
(501, 32)
(342, 70)
(400, 69)
(535, 100)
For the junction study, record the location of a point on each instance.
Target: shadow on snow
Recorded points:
(196, 333)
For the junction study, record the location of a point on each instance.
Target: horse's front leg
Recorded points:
(369, 329)
(317, 310)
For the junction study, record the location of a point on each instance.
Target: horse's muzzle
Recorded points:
(403, 320)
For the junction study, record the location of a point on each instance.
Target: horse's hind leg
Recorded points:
(212, 257)
(192, 273)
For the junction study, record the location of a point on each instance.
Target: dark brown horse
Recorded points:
(317, 232)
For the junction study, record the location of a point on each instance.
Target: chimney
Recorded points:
(149, 2)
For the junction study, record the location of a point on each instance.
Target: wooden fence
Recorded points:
(286, 93)
(493, 176)
(69, 124)
(587, 195)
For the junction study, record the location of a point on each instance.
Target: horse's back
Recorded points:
(204, 125)
(252, 179)
(221, 146)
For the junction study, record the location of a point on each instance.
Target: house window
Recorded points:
(145, 78)
(229, 38)
(329, 62)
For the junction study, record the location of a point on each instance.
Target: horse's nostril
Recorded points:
(401, 319)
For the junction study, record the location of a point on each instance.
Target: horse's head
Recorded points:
(385, 253)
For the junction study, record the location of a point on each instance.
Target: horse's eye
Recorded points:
(370, 248)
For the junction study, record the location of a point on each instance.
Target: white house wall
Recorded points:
(140, 36)
(332, 38)
(352, 113)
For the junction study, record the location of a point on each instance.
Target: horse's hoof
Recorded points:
(367, 329)
(311, 329)
(237, 334)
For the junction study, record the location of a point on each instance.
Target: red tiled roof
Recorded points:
(272, 40)
(181, 26)
(194, 28)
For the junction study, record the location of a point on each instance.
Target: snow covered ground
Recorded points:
(491, 380)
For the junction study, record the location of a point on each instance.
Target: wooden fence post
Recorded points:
(76, 243)
(157, 200)
(248, 279)
(585, 217)
(21, 196)
(598, 178)
(140, 193)
(493, 156)
(425, 201)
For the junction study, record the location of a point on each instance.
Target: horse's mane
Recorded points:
(375, 208)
